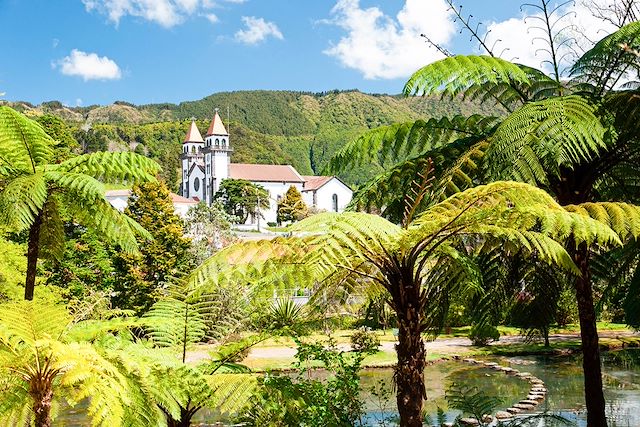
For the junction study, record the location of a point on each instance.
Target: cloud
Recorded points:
(167, 13)
(211, 17)
(89, 66)
(523, 40)
(382, 47)
(257, 30)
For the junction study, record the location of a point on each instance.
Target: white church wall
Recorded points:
(276, 191)
(324, 196)
(196, 174)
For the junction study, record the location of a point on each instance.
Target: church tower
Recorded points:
(217, 152)
(193, 177)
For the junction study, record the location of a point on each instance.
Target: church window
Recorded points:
(193, 149)
(196, 184)
(335, 202)
(224, 142)
(217, 142)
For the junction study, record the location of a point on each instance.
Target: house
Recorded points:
(206, 162)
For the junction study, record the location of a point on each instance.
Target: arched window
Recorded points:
(193, 148)
(217, 142)
(224, 142)
(334, 200)
(196, 184)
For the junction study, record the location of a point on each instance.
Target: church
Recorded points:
(206, 162)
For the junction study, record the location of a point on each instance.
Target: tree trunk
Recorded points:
(184, 421)
(590, 349)
(42, 396)
(409, 373)
(33, 250)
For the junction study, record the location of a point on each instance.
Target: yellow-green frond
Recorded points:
(118, 168)
(24, 145)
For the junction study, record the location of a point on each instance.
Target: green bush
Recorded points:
(483, 334)
(365, 341)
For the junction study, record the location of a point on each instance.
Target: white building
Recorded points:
(207, 161)
(120, 198)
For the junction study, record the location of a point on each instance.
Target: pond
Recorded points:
(562, 377)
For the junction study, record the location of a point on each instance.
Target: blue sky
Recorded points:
(85, 52)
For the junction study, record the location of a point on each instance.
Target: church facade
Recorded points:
(206, 162)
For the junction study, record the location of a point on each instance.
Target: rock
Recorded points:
(523, 407)
(536, 397)
(538, 389)
(503, 415)
(469, 360)
(536, 381)
(529, 402)
(523, 375)
(514, 410)
(507, 369)
(469, 422)
(490, 364)
(487, 419)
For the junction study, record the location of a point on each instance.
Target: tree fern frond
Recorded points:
(118, 168)
(606, 63)
(52, 241)
(542, 136)
(622, 218)
(21, 200)
(24, 145)
(456, 74)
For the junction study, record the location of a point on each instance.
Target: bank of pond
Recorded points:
(561, 377)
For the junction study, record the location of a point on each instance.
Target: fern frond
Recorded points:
(21, 200)
(117, 168)
(24, 145)
(608, 61)
(537, 139)
(622, 218)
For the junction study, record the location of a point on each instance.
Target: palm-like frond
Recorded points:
(602, 67)
(622, 218)
(24, 145)
(117, 168)
(536, 140)
(21, 200)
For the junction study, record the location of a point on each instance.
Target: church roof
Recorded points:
(264, 173)
(312, 183)
(217, 127)
(193, 134)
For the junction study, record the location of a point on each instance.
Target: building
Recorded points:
(206, 162)
(120, 198)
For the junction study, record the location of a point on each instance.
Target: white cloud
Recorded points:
(382, 47)
(257, 30)
(89, 66)
(167, 13)
(211, 17)
(522, 40)
(78, 102)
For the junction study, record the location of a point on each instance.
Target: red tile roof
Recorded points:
(314, 182)
(216, 127)
(193, 134)
(264, 173)
(176, 198)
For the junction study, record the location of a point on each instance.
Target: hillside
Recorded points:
(279, 127)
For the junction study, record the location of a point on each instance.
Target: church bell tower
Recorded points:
(217, 156)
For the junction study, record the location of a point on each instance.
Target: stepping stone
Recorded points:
(523, 375)
(523, 407)
(487, 419)
(514, 410)
(537, 397)
(529, 402)
(539, 389)
(503, 415)
(536, 381)
(507, 370)
(490, 364)
(469, 360)
(469, 422)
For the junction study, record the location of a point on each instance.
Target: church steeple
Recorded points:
(217, 127)
(193, 134)
(217, 156)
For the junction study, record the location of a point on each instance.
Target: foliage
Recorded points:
(12, 268)
(291, 207)
(35, 194)
(472, 401)
(209, 228)
(306, 401)
(41, 365)
(242, 199)
(65, 145)
(142, 278)
(482, 334)
(365, 341)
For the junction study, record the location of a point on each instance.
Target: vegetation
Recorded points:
(291, 207)
(242, 199)
(36, 194)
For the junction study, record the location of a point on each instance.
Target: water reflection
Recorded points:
(562, 377)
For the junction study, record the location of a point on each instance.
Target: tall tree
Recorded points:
(577, 139)
(36, 194)
(242, 198)
(417, 265)
(143, 276)
(291, 207)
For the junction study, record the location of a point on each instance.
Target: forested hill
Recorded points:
(303, 129)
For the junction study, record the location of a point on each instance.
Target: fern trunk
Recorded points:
(33, 250)
(42, 395)
(594, 395)
(184, 421)
(409, 372)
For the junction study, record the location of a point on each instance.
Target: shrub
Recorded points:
(483, 334)
(365, 341)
